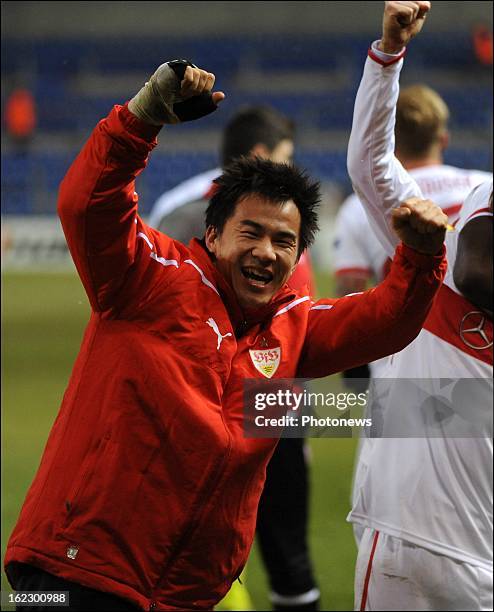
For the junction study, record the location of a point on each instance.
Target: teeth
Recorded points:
(257, 275)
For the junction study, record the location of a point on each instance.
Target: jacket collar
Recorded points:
(241, 318)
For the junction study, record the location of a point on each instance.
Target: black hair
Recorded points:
(278, 183)
(251, 126)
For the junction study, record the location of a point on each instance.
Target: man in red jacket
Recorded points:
(147, 491)
(283, 513)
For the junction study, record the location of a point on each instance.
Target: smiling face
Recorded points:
(257, 249)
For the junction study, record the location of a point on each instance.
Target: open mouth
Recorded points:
(257, 277)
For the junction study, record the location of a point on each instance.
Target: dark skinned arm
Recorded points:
(473, 266)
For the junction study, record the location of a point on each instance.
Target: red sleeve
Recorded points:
(360, 328)
(97, 206)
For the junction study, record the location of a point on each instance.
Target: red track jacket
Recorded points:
(147, 488)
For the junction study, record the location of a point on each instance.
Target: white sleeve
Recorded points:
(378, 178)
(349, 252)
(190, 190)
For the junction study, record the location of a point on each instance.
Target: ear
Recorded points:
(444, 140)
(260, 150)
(211, 239)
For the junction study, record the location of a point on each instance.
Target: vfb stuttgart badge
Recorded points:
(266, 361)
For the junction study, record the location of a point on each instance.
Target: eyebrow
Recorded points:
(260, 228)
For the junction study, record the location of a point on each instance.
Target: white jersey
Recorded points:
(433, 491)
(356, 248)
(190, 190)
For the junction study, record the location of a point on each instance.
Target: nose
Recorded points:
(264, 251)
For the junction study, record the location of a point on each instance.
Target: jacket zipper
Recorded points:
(193, 525)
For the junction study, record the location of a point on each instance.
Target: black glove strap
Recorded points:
(195, 107)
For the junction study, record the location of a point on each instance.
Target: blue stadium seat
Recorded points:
(56, 64)
(480, 159)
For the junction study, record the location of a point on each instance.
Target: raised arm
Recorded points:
(97, 201)
(379, 179)
(367, 326)
(363, 327)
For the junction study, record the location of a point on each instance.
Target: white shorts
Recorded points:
(393, 574)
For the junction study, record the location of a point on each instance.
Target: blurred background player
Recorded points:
(283, 510)
(425, 500)
(20, 119)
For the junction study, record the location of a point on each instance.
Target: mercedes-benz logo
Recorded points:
(472, 331)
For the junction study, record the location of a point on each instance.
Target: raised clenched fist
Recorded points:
(421, 225)
(401, 22)
(178, 91)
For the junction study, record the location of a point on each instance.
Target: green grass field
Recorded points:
(43, 319)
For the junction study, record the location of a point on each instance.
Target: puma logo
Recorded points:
(212, 323)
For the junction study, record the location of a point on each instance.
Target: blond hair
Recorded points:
(421, 119)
